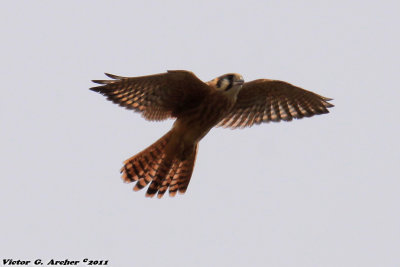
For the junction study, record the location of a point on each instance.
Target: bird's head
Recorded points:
(231, 82)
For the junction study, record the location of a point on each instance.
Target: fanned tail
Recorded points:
(164, 171)
(143, 166)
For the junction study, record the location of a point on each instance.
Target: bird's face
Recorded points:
(228, 82)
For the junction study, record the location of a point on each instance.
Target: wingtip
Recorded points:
(95, 89)
(100, 81)
(327, 103)
(112, 76)
(115, 77)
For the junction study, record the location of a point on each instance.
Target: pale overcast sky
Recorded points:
(323, 191)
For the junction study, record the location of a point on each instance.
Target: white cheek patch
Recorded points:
(224, 84)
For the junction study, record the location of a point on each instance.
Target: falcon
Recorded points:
(226, 101)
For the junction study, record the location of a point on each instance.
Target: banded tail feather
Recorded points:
(178, 177)
(181, 179)
(162, 170)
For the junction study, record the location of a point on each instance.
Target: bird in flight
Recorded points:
(226, 101)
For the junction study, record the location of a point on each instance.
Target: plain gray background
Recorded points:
(323, 191)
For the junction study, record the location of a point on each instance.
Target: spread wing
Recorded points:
(271, 100)
(158, 96)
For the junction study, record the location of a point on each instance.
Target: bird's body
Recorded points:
(225, 101)
(197, 122)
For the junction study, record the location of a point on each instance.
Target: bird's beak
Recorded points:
(238, 82)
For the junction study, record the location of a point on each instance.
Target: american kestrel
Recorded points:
(197, 106)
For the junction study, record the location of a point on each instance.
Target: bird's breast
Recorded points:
(194, 124)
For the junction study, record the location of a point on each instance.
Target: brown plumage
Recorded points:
(271, 100)
(197, 106)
